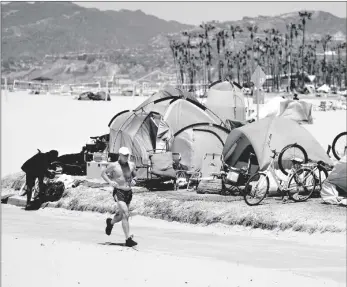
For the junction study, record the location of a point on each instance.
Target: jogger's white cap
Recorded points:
(124, 150)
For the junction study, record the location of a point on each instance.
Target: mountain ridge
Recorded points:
(132, 40)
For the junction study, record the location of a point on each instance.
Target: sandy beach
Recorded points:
(45, 122)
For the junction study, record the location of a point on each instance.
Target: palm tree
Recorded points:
(202, 55)
(292, 30)
(208, 27)
(237, 60)
(234, 30)
(218, 38)
(339, 74)
(229, 63)
(174, 49)
(304, 16)
(325, 40)
(252, 29)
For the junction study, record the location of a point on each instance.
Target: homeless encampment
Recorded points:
(182, 121)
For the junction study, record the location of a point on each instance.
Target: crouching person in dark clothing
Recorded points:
(37, 167)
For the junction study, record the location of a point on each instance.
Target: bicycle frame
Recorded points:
(271, 170)
(282, 185)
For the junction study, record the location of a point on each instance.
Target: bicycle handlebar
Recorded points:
(274, 153)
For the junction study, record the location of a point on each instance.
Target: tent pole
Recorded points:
(258, 103)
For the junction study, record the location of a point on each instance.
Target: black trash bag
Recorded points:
(53, 191)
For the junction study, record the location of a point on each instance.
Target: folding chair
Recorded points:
(182, 176)
(212, 164)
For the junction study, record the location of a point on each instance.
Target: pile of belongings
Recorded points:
(71, 164)
(334, 189)
(53, 188)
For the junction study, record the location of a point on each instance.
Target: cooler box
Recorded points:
(94, 168)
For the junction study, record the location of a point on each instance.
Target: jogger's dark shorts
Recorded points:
(125, 196)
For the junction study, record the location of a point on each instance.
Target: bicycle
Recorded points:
(290, 188)
(320, 167)
(341, 139)
(233, 178)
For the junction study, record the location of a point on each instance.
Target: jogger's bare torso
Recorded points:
(121, 174)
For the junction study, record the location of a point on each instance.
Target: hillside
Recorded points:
(59, 27)
(132, 41)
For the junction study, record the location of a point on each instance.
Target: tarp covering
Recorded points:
(162, 165)
(334, 189)
(227, 100)
(299, 111)
(255, 137)
(272, 108)
(338, 176)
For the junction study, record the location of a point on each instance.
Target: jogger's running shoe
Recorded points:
(109, 226)
(130, 242)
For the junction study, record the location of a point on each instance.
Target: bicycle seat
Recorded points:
(325, 165)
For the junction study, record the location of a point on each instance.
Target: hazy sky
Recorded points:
(197, 12)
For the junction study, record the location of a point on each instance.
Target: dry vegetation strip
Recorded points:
(189, 207)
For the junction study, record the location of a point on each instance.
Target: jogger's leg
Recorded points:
(125, 216)
(117, 217)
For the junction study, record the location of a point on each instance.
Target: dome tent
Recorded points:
(254, 138)
(227, 100)
(138, 131)
(159, 101)
(194, 141)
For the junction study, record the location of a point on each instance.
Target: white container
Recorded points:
(94, 169)
(233, 176)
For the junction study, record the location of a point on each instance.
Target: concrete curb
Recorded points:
(20, 201)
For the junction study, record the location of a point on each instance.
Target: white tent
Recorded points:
(226, 99)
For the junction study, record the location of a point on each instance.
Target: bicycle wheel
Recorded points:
(321, 174)
(339, 146)
(256, 188)
(289, 152)
(301, 184)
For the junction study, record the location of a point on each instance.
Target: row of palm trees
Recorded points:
(212, 52)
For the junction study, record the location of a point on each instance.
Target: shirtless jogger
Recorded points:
(121, 175)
